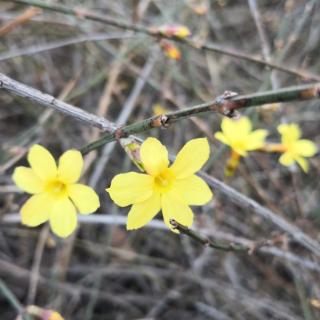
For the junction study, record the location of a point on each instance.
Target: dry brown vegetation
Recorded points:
(105, 272)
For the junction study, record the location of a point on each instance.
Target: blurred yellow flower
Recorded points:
(295, 149)
(238, 135)
(170, 189)
(158, 109)
(170, 50)
(54, 316)
(55, 194)
(178, 31)
(42, 314)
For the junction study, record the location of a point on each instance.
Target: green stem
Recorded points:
(226, 104)
(7, 293)
(86, 14)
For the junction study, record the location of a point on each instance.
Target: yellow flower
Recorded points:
(295, 149)
(174, 31)
(170, 189)
(170, 50)
(239, 136)
(158, 109)
(55, 193)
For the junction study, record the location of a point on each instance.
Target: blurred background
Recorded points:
(103, 271)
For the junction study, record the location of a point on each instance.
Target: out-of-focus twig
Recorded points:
(103, 218)
(63, 43)
(83, 13)
(7, 293)
(20, 20)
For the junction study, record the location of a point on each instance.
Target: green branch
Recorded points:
(226, 104)
(83, 13)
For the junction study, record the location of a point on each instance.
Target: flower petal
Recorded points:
(286, 159)
(243, 125)
(255, 140)
(221, 137)
(173, 207)
(193, 190)
(70, 166)
(129, 188)
(84, 198)
(233, 128)
(143, 212)
(191, 158)
(289, 132)
(36, 210)
(42, 162)
(154, 156)
(27, 180)
(305, 148)
(63, 218)
(303, 163)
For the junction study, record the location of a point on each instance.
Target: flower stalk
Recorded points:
(232, 164)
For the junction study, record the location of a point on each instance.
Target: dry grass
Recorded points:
(105, 272)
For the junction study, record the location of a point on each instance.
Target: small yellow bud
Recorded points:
(170, 50)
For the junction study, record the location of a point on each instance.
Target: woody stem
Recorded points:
(223, 104)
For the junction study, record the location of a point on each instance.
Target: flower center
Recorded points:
(240, 144)
(163, 181)
(56, 188)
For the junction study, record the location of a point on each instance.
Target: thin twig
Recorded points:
(231, 246)
(254, 207)
(225, 104)
(47, 100)
(124, 115)
(103, 218)
(8, 294)
(287, 94)
(83, 13)
(63, 43)
(19, 20)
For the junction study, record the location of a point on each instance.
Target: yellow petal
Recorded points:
(154, 156)
(42, 162)
(193, 190)
(233, 128)
(286, 159)
(141, 213)
(289, 132)
(302, 163)
(191, 158)
(221, 137)
(70, 166)
(305, 148)
(36, 210)
(63, 218)
(173, 207)
(243, 125)
(255, 140)
(27, 180)
(131, 187)
(84, 198)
